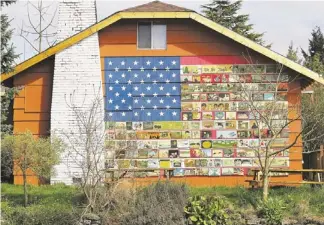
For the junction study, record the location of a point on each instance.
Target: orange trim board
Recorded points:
(163, 15)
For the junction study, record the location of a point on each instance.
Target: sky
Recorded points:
(281, 21)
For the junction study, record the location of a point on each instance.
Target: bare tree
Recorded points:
(90, 150)
(276, 122)
(37, 30)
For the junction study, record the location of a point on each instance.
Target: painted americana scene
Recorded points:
(151, 112)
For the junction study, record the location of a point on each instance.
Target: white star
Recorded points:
(123, 114)
(129, 95)
(116, 69)
(161, 88)
(167, 68)
(142, 94)
(174, 62)
(173, 75)
(135, 75)
(110, 75)
(148, 75)
(155, 94)
(174, 100)
(148, 63)
(136, 88)
(142, 81)
(136, 101)
(154, 81)
(142, 68)
(117, 94)
(148, 88)
(174, 113)
(129, 69)
(129, 82)
(110, 114)
(135, 62)
(142, 107)
(161, 101)
(110, 101)
(117, 81)
(123, 101)
(130, 107)
(161, 75)
(116, 107)
(168, 107)
(123, 88)
(123, 75)
(167, 81)
(110, 88)
(110, 63)
(149, 114)
(161, 62)
(155, 107)
(174, 88)
(123, 63)
(154, 68)
(148, 101)
(136, 113)
(168, 94)
(161, 113)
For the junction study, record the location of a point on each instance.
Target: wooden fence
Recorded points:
(314, 160)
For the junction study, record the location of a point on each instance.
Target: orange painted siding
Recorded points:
(184, 38)
(31, 110)
(188, 38)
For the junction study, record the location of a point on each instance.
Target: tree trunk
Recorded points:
(25, 189)
(265, 182)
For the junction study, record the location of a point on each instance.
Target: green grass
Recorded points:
(42, 195)
(296, 199)
(300, 202)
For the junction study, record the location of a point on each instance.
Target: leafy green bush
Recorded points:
(158, 204)
(272, 210)
(206, 210)
(55, 214)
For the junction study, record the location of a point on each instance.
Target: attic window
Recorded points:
(151, 35)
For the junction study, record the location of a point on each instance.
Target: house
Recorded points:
(146, 61)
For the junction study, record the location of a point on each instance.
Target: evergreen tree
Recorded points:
(7, 50)
(292, 53)
(314, 58)
(7, 60)
(226, 14)
(316, 45)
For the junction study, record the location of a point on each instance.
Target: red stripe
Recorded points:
(203, 60)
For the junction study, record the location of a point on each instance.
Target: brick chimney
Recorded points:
(77, 81)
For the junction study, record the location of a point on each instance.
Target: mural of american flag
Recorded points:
(142, 88)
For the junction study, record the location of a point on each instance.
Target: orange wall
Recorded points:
(188, 38)
(184, 38)
(31, 110)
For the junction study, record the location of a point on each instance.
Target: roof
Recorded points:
(157, 6)
(136, 13)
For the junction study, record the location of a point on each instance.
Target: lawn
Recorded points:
(60, 204)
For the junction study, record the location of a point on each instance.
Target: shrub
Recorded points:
(39, 215)
(271, 210)
(206, 210)
(158, 204)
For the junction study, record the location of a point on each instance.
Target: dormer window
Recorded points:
(151, 35)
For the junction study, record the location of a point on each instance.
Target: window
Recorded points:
(151, 35)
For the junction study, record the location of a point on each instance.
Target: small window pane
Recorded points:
(159, 36)
(144, 35)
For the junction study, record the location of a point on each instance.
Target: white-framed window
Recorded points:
(151, 35)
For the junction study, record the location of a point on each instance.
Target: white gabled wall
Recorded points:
(77, 73)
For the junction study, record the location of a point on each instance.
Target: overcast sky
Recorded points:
(282, 21)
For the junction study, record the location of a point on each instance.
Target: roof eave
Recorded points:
(163, 15)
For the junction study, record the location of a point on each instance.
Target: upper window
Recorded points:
(151, 35)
